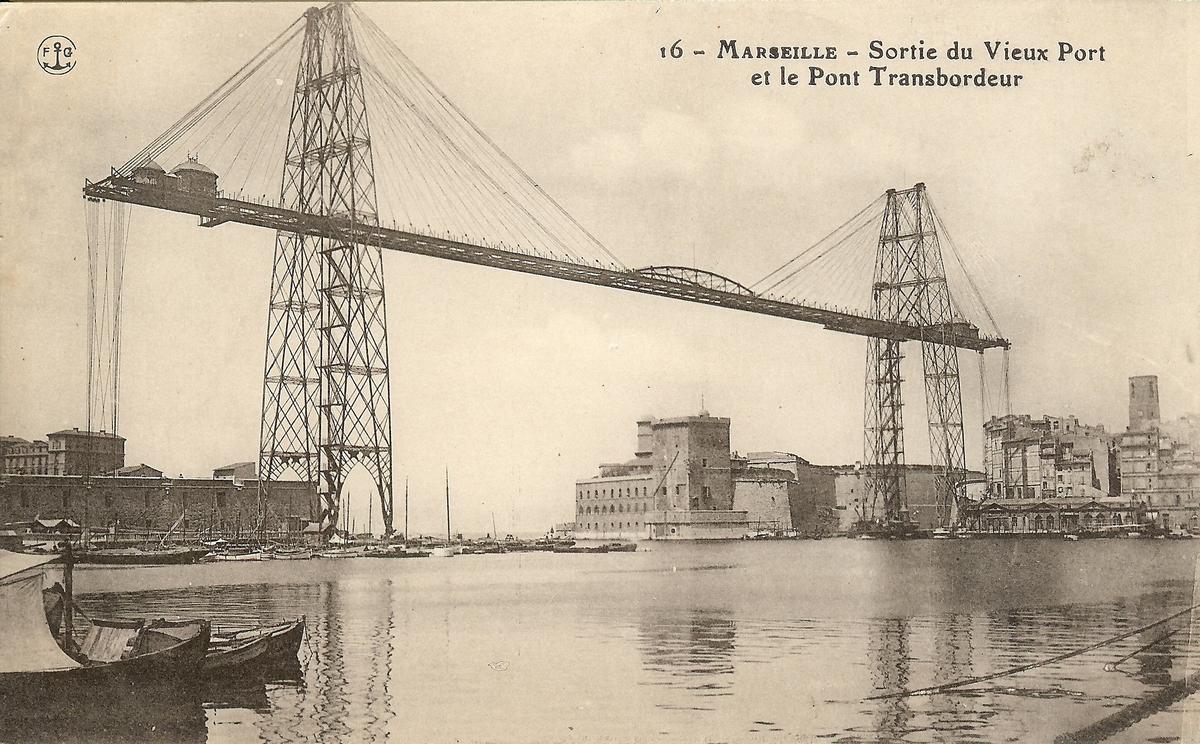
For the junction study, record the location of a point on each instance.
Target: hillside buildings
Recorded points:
(1048, 475)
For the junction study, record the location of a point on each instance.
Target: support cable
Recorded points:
(812, 247)
(219, 94)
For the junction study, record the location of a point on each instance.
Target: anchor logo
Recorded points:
(56, 55)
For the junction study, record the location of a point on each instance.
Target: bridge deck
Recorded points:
(214, 211)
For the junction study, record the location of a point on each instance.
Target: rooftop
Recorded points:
(76, 432)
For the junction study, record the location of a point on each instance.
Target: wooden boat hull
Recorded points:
(298, 556)
(221, 558)
(256, 652)
(141, 558)
(170, 672)
(397, 554)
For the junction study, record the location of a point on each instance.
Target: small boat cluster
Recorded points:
(47, 662)
(217, 551)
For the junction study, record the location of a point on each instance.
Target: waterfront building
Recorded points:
(1048, 475)
(679, 485)
(683, 483)
(772, 499)
(1159, 471)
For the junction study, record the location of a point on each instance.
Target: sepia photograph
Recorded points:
(655, 372)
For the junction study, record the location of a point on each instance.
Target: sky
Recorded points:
(1072, 197)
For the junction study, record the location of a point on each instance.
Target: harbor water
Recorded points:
(724, 642)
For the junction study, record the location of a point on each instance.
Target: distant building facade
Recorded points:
(1159, 470)
(75, 452)
(236, 471)
(66, 452)
(1049, 457)
(20, 456)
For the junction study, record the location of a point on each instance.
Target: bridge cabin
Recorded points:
(191, 177)
(152, 174)
(195, 177)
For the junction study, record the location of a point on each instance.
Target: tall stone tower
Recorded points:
(1143, 402)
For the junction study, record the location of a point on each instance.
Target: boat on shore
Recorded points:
(254, 652)
(291, 554)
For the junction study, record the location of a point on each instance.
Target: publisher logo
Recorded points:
(56, 55)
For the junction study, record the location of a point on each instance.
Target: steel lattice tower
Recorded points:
(910, 287)
(326, 399)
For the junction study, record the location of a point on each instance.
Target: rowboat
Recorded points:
(618, 547)
(254, 652)
(234, 555)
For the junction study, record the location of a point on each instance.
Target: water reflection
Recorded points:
(178, 718)
(688, 643)
(888, 657)
(523, 648)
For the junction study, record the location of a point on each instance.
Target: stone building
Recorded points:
(75, 452)
(236, 471)
(679, 485)
(769, 498)
(137, 506)
(853, 503)
(1159, 472)
(683, 483)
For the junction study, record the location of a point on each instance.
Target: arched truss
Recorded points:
(696, 278)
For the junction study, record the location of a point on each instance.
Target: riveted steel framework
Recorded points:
(910, 287)
(326, 400)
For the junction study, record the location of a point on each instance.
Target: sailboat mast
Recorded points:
(447, 506)
(405, 511)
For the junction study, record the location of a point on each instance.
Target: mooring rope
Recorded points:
(1026, 667)
(1131, 714)
(1112, 665)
